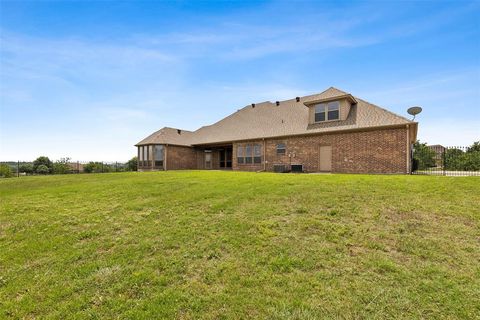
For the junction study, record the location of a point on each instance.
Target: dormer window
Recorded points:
(327, 111)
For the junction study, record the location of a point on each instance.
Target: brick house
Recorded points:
(332, 131)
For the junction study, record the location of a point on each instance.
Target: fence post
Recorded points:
(444, 161)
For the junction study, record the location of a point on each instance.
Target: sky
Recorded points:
(89, 79)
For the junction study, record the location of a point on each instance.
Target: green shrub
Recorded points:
(5, 171)
(61, 166)
(42, 161)
(26, 167)
(93, 167)
(132, 164)
(42, 169)
(423, 156)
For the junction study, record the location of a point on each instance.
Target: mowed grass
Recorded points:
(233, 245)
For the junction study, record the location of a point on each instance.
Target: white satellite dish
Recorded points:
(414, 111)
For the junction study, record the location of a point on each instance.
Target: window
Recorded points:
(333, 110)
(320, 112)
(158, 155)
(330, 111)
(240, 154)
(257, 153)
(281, 148)
(145, 156)
(248, 154)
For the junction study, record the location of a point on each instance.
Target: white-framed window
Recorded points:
(240, 155)
(281, 149)
(257, 153)
(250, 153)
(327, 111)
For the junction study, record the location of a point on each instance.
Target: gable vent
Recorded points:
(277, 103)
(298, 99)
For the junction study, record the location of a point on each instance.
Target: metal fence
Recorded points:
(27, 168)
(445, 161)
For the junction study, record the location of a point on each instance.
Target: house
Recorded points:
(332, 131)
(438, 154)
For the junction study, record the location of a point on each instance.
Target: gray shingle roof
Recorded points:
(268, 120)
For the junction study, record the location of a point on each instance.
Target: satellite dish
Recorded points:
(414, 111)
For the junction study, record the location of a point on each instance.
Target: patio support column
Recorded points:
(165, 161)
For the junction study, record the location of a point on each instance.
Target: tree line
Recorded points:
(43, 166)
(452, 159)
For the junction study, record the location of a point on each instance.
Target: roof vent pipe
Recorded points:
(253, 105)
(179, 131)
(298, 99)
(277, 103)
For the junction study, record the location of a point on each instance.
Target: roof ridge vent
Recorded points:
(277, 103)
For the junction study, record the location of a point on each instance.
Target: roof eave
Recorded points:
(345, 96)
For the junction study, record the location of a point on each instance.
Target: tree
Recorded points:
(475, 147)
(61, 166)
(5, 171)
(26, 167)
(42, 169)
(42, 161)
(92, 167)
(423, 156)
(132, 164)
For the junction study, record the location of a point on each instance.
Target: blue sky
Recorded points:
(88, 80)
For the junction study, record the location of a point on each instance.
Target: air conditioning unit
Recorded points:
(298, 168)
(280, 168)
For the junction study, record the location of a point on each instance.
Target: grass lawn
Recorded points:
(232, 245)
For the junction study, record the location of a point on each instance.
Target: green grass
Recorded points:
(231, 245)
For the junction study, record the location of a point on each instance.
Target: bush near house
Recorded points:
(132, 164)
(238, 245)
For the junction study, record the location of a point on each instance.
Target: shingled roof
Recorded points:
(267, 120)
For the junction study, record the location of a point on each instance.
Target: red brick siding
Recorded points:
(376, 151)
(180, 158)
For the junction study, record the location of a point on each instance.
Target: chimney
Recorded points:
(277, 103)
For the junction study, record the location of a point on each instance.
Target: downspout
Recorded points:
(408, 151)
(264, 155)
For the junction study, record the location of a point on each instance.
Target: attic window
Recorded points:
(327, 111)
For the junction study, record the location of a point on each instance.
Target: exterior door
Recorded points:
(208, 160)
(325, 158)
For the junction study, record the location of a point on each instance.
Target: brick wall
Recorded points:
(180, 158)
(375, 151)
